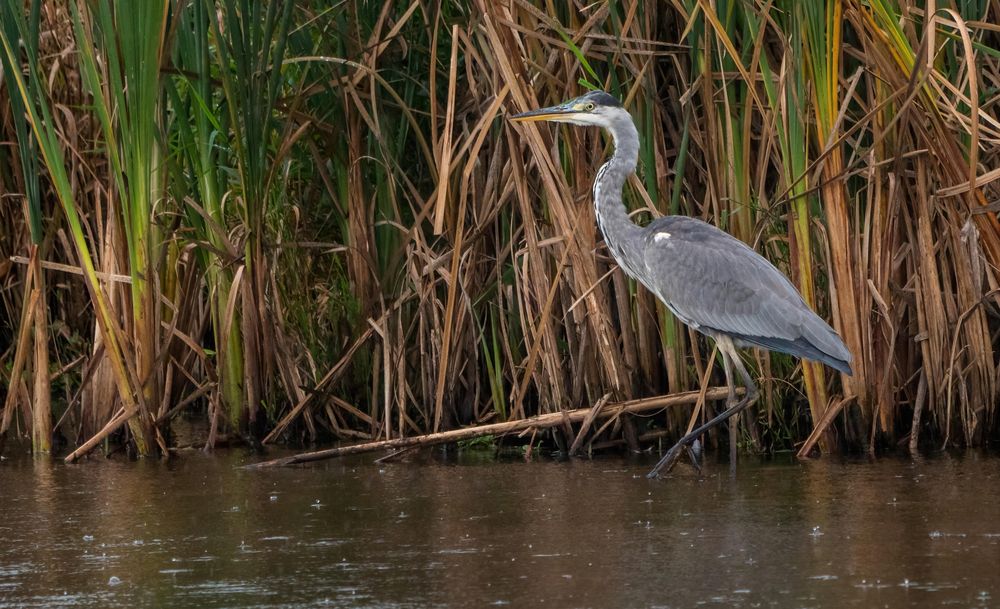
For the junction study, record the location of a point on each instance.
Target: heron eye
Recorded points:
(589, 107)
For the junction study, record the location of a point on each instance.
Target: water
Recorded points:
(472, 532)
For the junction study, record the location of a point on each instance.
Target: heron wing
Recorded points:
(716, 283)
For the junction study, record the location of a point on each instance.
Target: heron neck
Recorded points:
(623, 237)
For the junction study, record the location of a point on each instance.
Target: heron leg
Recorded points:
(728, 349)
(734, 422)
(727, 366)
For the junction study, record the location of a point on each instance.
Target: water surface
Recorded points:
(198, 531)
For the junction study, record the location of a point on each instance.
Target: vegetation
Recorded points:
(301, 221)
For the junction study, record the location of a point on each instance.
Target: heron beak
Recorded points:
(545, 114)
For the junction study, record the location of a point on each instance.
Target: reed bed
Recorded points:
(308, 221)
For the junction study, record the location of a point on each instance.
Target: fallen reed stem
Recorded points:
(541, 421)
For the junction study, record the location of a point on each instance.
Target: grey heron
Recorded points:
(708, 279)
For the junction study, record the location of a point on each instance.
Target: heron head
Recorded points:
(595, 108)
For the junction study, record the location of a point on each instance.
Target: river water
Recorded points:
(470, 531)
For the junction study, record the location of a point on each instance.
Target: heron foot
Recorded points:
(694, 453)
(669, 459)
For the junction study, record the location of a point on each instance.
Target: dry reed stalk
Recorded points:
(28, 312)
(41, 402)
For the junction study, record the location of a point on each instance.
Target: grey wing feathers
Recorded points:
(717, 284)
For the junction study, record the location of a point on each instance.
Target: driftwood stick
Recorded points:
(824, 422)
(587, 422)
(107, 430)
(496, 429)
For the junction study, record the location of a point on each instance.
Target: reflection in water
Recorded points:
(198, 532)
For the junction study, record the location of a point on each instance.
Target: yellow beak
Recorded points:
(544, 114)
